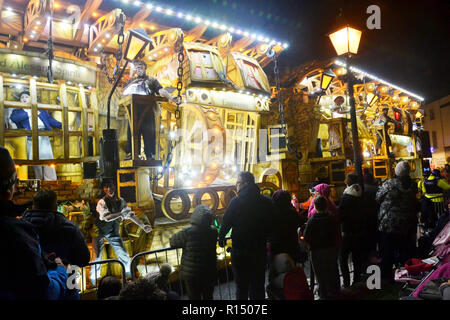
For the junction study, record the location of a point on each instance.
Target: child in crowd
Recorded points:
(322, 236)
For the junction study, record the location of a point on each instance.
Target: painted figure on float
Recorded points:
(142, 84)
(21, 118)
(112, 210)
(384, 120)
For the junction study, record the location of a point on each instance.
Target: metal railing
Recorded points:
(175, 283)
(223, 263)
(84, 273)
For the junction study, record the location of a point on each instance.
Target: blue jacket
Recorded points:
(22, 120)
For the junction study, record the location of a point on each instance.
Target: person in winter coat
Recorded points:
(198, 261)
(397, 218)
(250, 215)
(25, 275)
(287, 222)
(322, 235)
(351, 217)
(324, 190)
(56, 233)
(371, 208)
(286, 281)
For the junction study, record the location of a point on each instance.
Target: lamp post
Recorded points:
(136, 42)
(346, 42)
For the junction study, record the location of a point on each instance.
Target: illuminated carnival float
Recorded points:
(76, 63)
(317, 102)
(72, 61)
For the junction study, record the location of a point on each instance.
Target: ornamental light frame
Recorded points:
(346, 40)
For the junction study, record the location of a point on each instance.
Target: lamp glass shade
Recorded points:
(346, 40)
(327, 77)
(136, 42)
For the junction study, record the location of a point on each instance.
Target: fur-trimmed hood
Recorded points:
(354, 190)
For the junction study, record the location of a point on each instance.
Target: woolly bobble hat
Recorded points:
(402, 169)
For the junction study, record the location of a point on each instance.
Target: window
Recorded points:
(241, 138)
(434, 138)
(277, 140)
(431, 114)
(203, 65)
(251, 75)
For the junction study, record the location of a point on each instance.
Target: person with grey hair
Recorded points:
(198, 261)
(397, 218)
(25, 272)
(251, 216)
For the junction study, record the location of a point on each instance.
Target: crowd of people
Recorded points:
(371, 223)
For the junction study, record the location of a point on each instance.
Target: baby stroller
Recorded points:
(438, 260)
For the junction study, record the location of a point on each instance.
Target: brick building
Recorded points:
(436, 122)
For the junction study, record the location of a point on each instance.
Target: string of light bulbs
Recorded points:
(373, 77)
(207, 22)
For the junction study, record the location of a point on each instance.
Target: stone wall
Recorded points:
(65, 190)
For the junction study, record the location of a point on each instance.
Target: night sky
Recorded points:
(410, 50)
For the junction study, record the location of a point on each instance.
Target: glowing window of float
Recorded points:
(203, 65)
(252, 75)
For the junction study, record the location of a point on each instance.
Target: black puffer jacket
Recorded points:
(251, 215)
(199, 246)
(24, 274)
(59, 235)
(351, 212)
(284, 238)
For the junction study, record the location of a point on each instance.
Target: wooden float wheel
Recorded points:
(213, 194)
(185, 205)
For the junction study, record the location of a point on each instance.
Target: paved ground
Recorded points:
(389, 291)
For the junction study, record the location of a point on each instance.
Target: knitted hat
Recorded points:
(402, 169)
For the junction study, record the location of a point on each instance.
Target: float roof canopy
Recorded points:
(78, 24)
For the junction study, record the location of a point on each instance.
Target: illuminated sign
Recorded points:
(33, 64)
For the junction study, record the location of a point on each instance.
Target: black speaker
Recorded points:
(89, 170)
(90, 146)
(109, 154)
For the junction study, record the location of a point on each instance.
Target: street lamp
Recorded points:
(325, 81)
(346, 42)
(137, 41)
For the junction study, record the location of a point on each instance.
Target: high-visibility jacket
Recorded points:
(433, 188)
